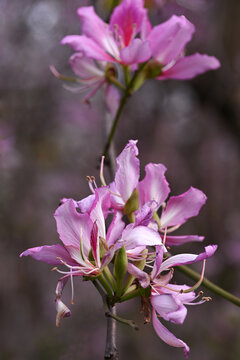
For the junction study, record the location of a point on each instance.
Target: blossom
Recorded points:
(91, 76)
(153, 191)
(167, 43)
(87, 246)
(116, 41)
(129, 39)
(169, 300)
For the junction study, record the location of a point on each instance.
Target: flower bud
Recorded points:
(132, 203)
(153, 69)
(62, 311)
(120, 268)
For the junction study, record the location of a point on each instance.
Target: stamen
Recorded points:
(101, 172)
(207, 298)
(171, 229)
(71, 277)
(89, 180)
(194, 287)
(54, 268)
(94, 181)
(113, 193)
(60, 76)
(164, 237)
(69, 266)
(164, 204)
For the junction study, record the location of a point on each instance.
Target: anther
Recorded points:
(207, 298)
(54, 268)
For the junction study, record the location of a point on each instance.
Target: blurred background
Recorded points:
(50, 141)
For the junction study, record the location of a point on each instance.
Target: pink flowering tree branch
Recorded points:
(119, 237)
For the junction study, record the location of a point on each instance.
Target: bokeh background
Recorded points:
(50, 141)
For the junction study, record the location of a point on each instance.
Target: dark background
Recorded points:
(50, 141)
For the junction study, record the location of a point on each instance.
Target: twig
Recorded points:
(111, 348)
(209, 285)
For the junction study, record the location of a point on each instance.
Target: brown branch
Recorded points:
(111, 348)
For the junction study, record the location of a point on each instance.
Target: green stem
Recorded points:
(109, 277)
(126, 75)
(128, 92)
(121, 320)
(209, 285)
(129, 296)
(115, 82)
(105, 285)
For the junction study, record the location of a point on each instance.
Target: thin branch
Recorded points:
(127, 93)
(111, 347)
(209, 285)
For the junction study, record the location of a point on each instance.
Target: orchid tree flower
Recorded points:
(153, 191)
(87, 246)
(91, 76)
(168, 300)
(114, 42)
(167, 42)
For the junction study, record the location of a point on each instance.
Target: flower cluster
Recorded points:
(135, 244)
(128, 41)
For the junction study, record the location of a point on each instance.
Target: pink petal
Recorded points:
(146, 28)
(62, 311)
(154, 186)
(180, 208)
(115, 229)
(94, 28)
(127, 174)
(184, 259)
(126, 19)
(86, 204)
(88, 46)
(179, 240)
(142, 277)
(108, 256)
(144, 215)
(116, 200)
(133, 237)
(158, 262)
(137, 52)
(49, 254)
(95, 244)
(85, 68)
(183, 297)
(167, 336)
(190, 66)
(99, 208)
(71, 226)
(169, 308)
(168, 40)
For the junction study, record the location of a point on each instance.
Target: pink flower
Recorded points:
(87, 246)
(169, 300)
(153, 192)
(91, 76)
(116, 41)
(167, 43)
